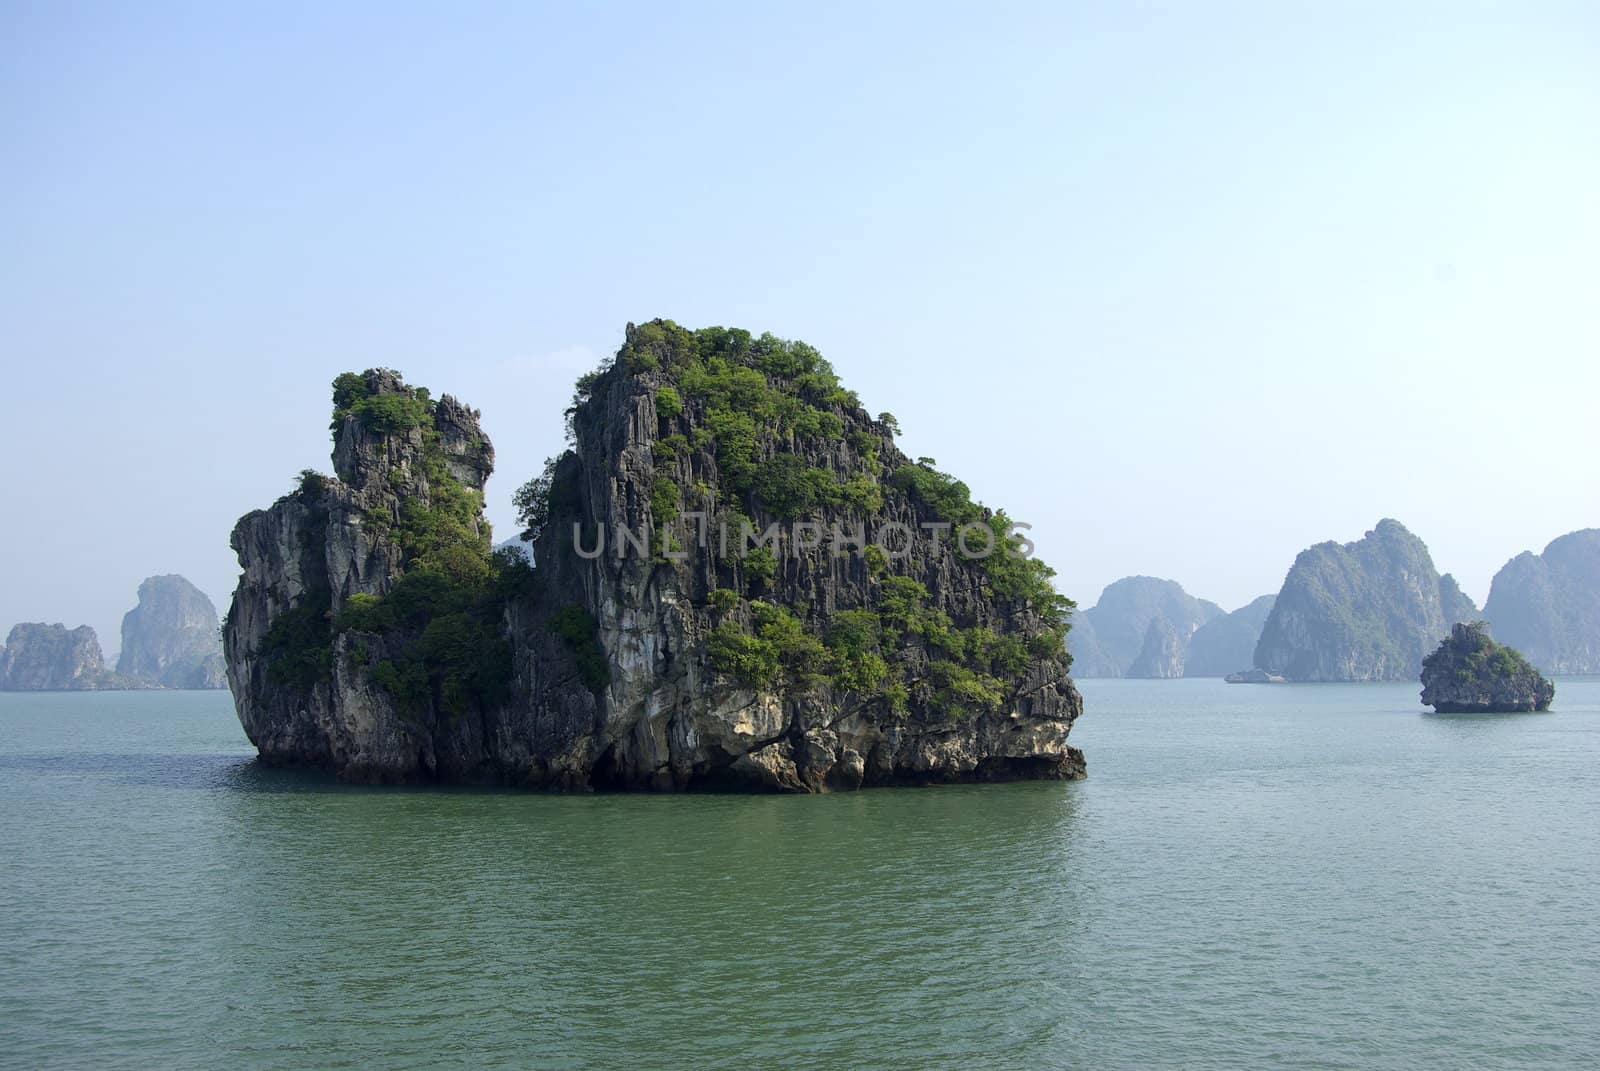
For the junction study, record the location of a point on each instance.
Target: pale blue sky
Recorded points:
(1187, 286)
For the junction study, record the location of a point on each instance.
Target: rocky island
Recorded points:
(1472, 674)
(883, 629)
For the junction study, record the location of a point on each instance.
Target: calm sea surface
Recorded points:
(1290, 876)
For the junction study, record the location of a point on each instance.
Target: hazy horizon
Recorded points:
(1187, 294)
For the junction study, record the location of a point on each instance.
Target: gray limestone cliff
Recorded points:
(373, 632)
(305, 692)
(1548, 605)
(1141, 627)
(50, 658)
(1470, 673)
(1368, 610)
(170, 638)
(1163, 652)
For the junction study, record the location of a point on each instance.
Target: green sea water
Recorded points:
(1285, 876)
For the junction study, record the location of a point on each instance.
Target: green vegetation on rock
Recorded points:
(580, 632)
(384, 412)
(785, 441)
(434, 641)
(299, 644)
(1471, 673)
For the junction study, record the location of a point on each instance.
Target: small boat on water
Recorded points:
(1253, 676)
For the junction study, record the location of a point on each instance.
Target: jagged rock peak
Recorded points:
(408, 497)
(1472, 674)
(381, 426)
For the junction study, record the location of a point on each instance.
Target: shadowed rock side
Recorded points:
(1472, 674)
(1162, 653)
(170, 638)
(685, 665)
(1548, 605)
(1225, 644)
(308, 692)
(1089, 657)
(1363, 611)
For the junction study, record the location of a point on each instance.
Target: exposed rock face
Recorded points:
(1110, 638)
(50, 658)
(170, 638)
(1471, 674)
(304, 694)
(1162, 654)
(1223, 644)
(1548, 605)
(1362, 611)
(679, 666)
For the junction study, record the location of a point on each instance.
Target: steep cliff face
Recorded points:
(1367, 610)
(170, 638)
(50, 658)
(665, 657)
(1227, 644)
(1548, 605)
(1472, 674)
(1163, 651)
(409, 470)
(1111, 638)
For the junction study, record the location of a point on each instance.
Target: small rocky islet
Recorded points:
(1470, 673)
(375, 630)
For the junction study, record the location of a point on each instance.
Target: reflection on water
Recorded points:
(1486, 716)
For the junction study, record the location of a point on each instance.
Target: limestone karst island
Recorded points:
(415, 654)
(888, 630)
(1472, 674)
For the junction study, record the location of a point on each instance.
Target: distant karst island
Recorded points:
(1362, 611)
(1548, 605)
(648, 644)
(169, 640)
(1472, 674)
